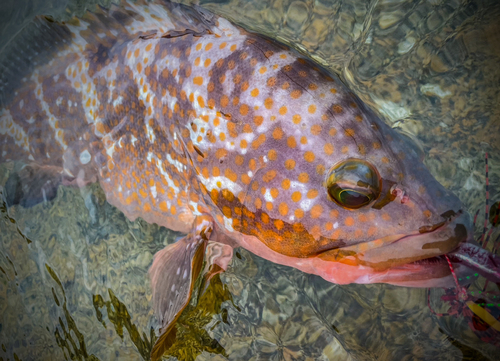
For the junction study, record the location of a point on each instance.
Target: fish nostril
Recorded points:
(397, 192)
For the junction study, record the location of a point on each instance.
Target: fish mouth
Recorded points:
(423, 247)
(419, 259)
(467, 260)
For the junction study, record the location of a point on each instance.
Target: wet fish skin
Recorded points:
(195, 124)
(180, 120)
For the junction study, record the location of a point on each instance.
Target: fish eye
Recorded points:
(353, 183)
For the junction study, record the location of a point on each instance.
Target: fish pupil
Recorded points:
(353, 199)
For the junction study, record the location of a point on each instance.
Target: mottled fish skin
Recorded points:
(177, 124)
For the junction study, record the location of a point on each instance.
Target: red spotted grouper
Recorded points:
(192, 123)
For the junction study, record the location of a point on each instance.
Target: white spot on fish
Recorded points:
(336, 225)
(211, 183)
(195, 207)
(173, 288)
(184, 275)
(117, 101)
(267, 195)
(178, 271)
(180, 167)
(228, 223)
(21, 104)
(85, 157)
(298, 185)
(111, 150)
(306, 204)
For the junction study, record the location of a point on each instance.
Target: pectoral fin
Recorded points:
(173, 274)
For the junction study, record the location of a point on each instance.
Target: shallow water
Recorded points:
(73, 276)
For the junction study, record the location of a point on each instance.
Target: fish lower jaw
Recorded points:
(430, 261)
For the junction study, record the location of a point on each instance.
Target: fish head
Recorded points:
(331, 182)
(310, 177)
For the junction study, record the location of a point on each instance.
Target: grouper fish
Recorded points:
(195, 124)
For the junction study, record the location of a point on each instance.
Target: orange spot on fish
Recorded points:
(309, 156)
(303, 178)
(268, 103)
(296, 196)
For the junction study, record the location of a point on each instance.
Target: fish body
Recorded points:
(188, 121)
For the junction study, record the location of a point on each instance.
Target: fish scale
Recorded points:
(190, 122)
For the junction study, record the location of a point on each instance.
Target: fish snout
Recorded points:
(428, 242)
(456, 228)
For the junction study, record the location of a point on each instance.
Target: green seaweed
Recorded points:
(5, 214)
(72, 349)
(192, 338)
(119, 316)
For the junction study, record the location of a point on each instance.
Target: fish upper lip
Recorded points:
(436, 228)
(425, 243)
(428, 242)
